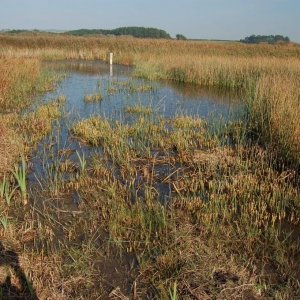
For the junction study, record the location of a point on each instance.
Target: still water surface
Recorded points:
(119, 90)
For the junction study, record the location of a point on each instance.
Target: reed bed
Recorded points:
(20, 80)
(17, 78)
(9, 148)
(126, 47)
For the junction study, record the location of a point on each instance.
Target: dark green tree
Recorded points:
(270, 39)
(180, 37)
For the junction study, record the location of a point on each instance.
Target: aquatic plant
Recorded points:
(92, 98)
(139, 109)
(20, 176)
(82, 162)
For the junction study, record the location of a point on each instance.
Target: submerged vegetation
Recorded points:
(155, 208)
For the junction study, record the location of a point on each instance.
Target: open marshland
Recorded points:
(173, 175)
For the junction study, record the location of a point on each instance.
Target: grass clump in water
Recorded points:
(92, 98)
(139, 109)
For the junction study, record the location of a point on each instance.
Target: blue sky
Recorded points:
(213, 19)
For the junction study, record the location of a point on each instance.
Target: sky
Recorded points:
(203, 19)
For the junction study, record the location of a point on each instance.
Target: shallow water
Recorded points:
(119, 90)
(167, 98)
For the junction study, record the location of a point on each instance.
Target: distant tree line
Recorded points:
(270, 39)
(141, 32)
(18, 31)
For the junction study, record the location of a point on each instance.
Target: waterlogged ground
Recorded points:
(122, 98)
(120, 90)
(149, 190)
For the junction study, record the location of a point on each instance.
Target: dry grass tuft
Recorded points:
(9, 148)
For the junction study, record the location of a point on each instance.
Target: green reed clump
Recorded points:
(92, 130)
(20, 176)
(6, 192)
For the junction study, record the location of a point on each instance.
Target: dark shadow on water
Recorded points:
(9, 291)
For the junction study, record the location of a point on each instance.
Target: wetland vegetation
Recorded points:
(108, 190)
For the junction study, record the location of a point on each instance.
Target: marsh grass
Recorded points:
(166, 208)
(17, 79)
(250, 69)
(129, 87)
(6, 191)
(92, 98)
(10, 147)
(273, 114)
(221, 233)
(221, 205)
(253, 69)
(139, 109)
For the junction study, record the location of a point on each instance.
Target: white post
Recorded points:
(110, 58)
(111, 70)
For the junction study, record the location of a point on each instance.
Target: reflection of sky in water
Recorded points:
(168, 99)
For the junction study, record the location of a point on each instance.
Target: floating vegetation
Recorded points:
(93, 98)
(187, 122)
(140, 89)
(139, 109)
(111, 91)
(130, 87)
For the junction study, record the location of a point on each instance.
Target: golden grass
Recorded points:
(139, 109)
(10, 148)
(222, 224)
(92, 98)
(275, 115)
(17, 78)
(126, 48)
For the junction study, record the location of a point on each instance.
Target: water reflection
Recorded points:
(119, 90)
(86, 67)
(193, 91)
(168, 98)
